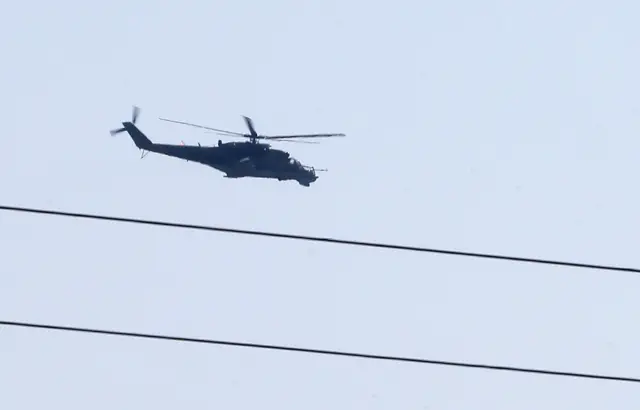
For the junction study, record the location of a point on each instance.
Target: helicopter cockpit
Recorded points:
(298, 165)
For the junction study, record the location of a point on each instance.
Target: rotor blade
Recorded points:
(249, 123)
(116, 131)
(134, 116)
(298, 142)
(228, 135)
(282, 137)
(204, 127)
(259, 137)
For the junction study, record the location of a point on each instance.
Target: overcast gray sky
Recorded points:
(493, 126)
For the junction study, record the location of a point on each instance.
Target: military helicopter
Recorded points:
(236, 160)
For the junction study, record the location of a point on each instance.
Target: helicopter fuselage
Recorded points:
(235, 159)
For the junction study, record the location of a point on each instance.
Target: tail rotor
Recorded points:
(134, 118)
(134, 114)
(117, 131)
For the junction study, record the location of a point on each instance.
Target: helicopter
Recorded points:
(236, 160)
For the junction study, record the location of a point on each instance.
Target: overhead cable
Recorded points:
(316, 239)
(320, 352)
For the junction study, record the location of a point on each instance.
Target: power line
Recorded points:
(318, 351)
(317, 239)
(306, 350)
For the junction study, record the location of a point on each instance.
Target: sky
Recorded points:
(494, 126)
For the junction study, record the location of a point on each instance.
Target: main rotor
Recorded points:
(253, 136)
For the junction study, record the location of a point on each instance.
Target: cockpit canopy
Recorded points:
(298, 165)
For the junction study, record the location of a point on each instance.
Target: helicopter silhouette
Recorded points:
(235, 159)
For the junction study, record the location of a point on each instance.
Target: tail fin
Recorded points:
(138, 136)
